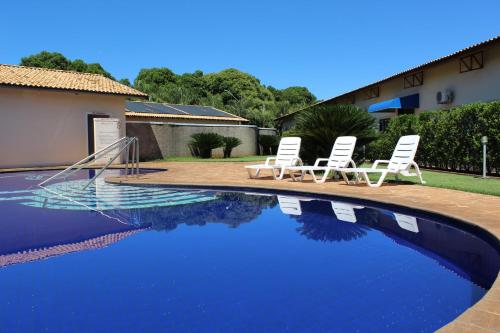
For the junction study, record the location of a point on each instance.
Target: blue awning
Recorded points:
(406, 102)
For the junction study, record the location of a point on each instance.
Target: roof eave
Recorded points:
(168, 115)
(21, 86)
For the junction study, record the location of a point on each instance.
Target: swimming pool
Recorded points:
(127, 258)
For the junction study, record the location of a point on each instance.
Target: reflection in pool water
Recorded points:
(260, 263)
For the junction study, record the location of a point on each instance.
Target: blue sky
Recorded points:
(328, 46)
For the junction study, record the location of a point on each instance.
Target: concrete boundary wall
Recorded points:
(160, 140)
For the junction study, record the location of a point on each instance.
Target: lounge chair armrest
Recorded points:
(297, 161)
(269, 159)
(377, 162)
(319, 160)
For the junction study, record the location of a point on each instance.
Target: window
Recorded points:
(372, 92)
(383, 123)
(471, 62)
(414, 80)
(405, 111)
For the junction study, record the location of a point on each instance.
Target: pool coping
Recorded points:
(484, 316)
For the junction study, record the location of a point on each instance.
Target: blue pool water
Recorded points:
(155, 259)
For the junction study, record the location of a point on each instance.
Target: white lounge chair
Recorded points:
(288, 155)
(340, 157)
(400, 163)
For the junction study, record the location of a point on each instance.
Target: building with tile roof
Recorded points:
(175, 113)
(468, 75)
(48, 115)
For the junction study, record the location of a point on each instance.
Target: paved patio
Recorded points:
(479, 209)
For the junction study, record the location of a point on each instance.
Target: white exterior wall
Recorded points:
(48, 127)
(480, 85)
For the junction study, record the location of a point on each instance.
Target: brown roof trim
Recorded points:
(166, 115)
(470, 48)
(75, 91)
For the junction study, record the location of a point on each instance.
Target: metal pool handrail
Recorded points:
(123, 144)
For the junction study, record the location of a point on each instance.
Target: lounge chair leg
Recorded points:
(281, 174)
(344, 176)
(378, 183)
(322, 180)
(313, 175)
(419, 174)
(294, 176)
(253, 176)
(350, 182)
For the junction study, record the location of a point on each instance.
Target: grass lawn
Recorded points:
(231, 159)
(467, 183)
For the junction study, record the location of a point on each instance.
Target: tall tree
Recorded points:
(292, 98)
(55, 60)
(52, 60)
(125, 81)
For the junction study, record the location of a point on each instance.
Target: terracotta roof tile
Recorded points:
(35, 77)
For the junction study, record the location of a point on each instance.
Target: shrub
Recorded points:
(321, 125)
(449, 139)
(268, 144)
(230, 142)
(201, 144)
(398, 126)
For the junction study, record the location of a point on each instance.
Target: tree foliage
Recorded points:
(125, 81)
(55, 60)
(319, 126)
(292, 98)
(230, 89)
(52, 60)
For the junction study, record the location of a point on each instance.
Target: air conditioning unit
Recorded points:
(444, 97)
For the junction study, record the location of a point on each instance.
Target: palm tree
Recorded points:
(320, 125)
(230, 142)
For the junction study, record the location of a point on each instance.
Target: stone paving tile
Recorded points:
(479, 209)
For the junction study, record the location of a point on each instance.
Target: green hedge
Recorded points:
(450, 139)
